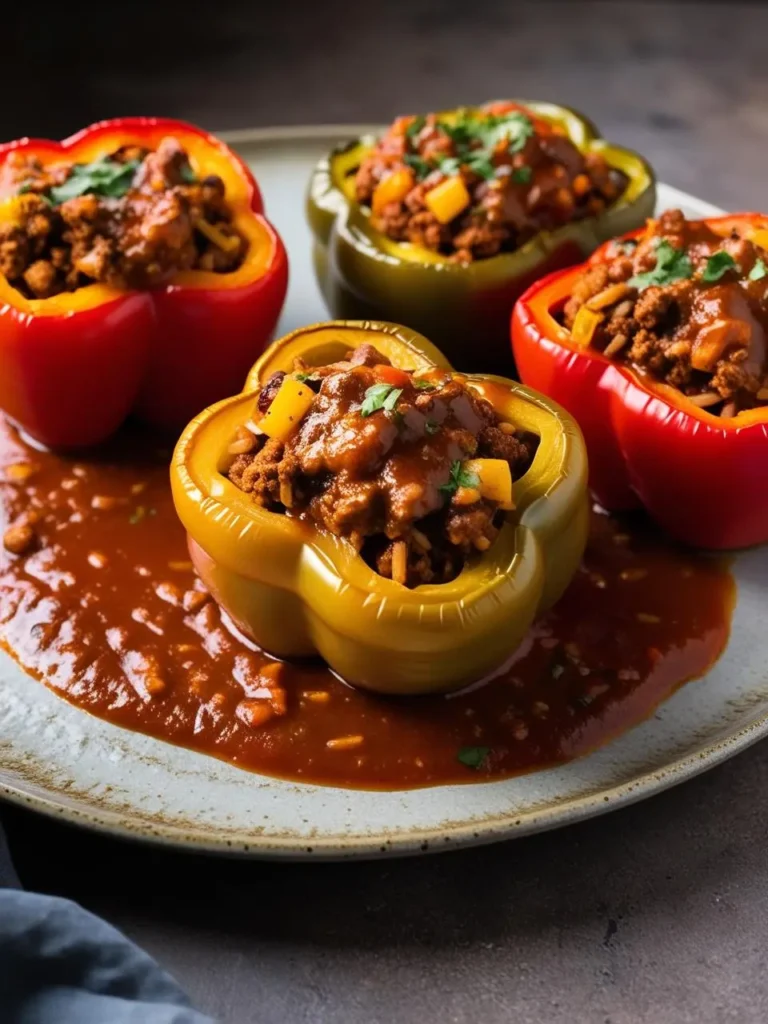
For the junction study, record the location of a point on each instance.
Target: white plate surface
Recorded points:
(62, 761)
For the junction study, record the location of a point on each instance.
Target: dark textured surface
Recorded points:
(655, 914)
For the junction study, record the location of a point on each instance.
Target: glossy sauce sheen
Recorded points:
(98, 612)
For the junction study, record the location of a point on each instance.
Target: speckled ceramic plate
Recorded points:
(62, 761)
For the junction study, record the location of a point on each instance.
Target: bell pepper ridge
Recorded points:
(315, 594)
(74, 366)
(703, 478)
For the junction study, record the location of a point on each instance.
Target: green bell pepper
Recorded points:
(464, 308)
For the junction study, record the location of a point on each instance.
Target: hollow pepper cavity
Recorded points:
(464, 307)
(74, 366)
(703, 478)
(299, 591)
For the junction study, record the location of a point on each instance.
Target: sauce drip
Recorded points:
(108, 613)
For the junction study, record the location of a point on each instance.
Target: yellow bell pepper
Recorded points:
(392, 189)
(299, 591)
(288, 408)
(448, 199)
(494, 480)
(760, 237)
(584, 326)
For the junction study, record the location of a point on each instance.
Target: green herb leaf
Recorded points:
(415, 127)
(473, 757)
(719, 263)
(421, 167)
(302, 378)
(188, 176)
(102, 177)
(515, 128)
(431, 426)
(378, 397)
(671, 265)
(450, 165)
(479, 163)
(391, 400)
(522, 175)
(423, 385)
(467, 479)
(758, 272)
(460, 477)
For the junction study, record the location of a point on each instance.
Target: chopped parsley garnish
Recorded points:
(473, 757)
(417, 164)
(522, 175)
(514, 128)
(431, 426)
(719, 263)
(188, 176)
(102, 177)
(302, 378)
(476, 140)
(450, 165)
(758, 272)
(416, 126)
(479, 162)
(460, 477)
(671, 265)
(380, 397)
(423, 385)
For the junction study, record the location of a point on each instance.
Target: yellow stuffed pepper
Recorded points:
(361, 501)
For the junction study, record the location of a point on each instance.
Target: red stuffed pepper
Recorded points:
(658, 345)
(138, 274)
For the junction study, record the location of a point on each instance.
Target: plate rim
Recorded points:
(507, 825)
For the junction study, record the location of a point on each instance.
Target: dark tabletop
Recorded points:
(657, 913)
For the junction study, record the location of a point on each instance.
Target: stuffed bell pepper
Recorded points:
(362, 501)
(447, 218)
(138, 274)
(659, 347)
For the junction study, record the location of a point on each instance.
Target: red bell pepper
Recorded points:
(703, 478)
(72, 367)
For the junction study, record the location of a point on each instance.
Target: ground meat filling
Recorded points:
(480, 184)
(686, 306)
(130, 220)
(387, 460)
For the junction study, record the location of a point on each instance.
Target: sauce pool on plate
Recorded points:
(98, 599)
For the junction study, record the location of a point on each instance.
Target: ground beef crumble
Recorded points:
(521, 176)
(391, 481)
(688, 307)
(156, 220)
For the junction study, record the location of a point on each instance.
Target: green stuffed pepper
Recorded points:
(446, 219)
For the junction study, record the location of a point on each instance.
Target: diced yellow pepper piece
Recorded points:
(467, 496)
(289, 406)
(392, 189)
(585, 325)
(495, 480)
(448, 199)
(12, 207)
(760, 237)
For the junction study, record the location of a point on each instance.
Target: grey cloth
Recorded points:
(60, 964)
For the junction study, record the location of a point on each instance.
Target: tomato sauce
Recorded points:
(104, 608)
